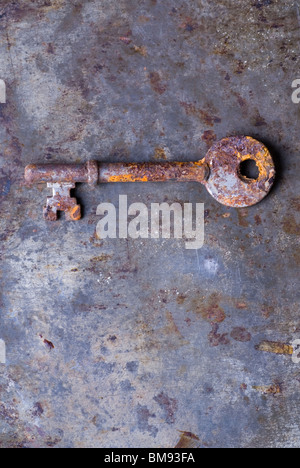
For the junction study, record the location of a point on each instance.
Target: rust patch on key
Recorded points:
(127, 178)
(62, 201)
(153, 172)
(222, 172)
(36, 173)
(227, 182)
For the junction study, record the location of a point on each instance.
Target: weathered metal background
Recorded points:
(132, 343)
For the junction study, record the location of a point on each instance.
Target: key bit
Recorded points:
(62, 201)
(220, 172)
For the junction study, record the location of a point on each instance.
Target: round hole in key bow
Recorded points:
(249, 169)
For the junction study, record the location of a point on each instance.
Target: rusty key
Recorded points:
(221, 172)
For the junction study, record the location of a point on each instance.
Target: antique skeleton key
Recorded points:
(221, 172)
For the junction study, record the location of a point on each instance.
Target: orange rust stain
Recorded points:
(261, 158)
(275, 348)
(127, 178)
(199, 163)
(75, 213)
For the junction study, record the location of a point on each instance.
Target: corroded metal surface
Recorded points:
(135, 343)
(94, 172)
(227, 184)
(116, 172)
(62, 201)
(87, 172)
(220, 172)
(154, 172)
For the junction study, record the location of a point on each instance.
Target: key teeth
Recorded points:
(62, 201)
(73, 214)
